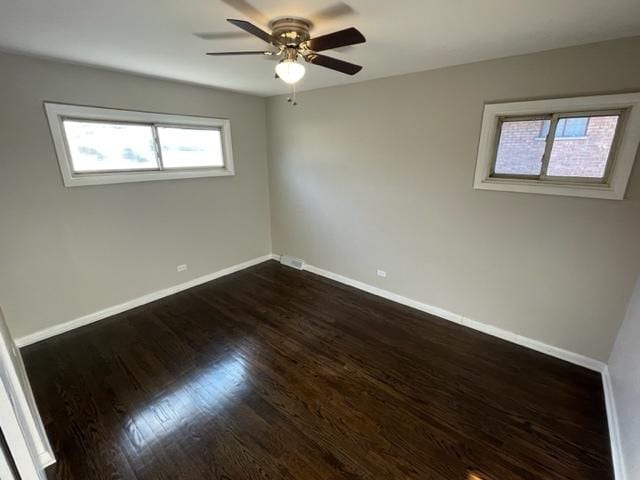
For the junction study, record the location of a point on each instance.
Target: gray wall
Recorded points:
(379, 175)
(367, 176)
(67, 252)
(624, 368)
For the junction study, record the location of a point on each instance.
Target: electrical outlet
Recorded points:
(382, 273)
(182, 268)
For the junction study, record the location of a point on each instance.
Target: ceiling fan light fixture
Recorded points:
(290, 71)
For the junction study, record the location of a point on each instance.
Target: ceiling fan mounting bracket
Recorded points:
(291, 31)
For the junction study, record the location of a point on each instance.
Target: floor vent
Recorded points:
(292, 262)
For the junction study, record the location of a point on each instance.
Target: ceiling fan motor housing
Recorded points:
(291, 31)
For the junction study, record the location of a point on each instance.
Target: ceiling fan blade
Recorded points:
(253, 30)
(250, 52)
(338, 9)
(342, 38)
(247, 10)
(220, 35)
(333, 63)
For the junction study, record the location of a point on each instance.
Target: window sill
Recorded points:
(548, 187)
(80, 180)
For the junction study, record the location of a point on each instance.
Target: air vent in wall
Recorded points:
(292, 262)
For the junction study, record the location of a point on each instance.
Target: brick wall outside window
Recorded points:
(521, 149)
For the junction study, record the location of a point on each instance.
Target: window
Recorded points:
(574, 152)
(518, 152)
(578, 146)
(100, 145)
(190, 148)
(109, 147)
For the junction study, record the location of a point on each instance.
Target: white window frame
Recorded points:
(621, 160)
(58, 112)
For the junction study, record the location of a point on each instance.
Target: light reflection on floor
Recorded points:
(192, 400)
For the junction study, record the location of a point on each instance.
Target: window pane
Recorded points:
(573, 127)
(190, 147)
(98, 146)
(587, 155)
(521, 147)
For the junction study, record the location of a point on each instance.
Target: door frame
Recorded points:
(20, 420)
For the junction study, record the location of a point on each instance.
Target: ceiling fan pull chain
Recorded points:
(292, 98)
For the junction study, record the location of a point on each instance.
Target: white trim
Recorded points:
(625, 153)
(21, 448)
(536, 345)
(133, 303)
(18, 387)
(614, 427)
(5, 467)
(47, 459)
(57, 112)
(572, 357)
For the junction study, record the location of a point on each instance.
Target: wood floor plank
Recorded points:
(272, 373)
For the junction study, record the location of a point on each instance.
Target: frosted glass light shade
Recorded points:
(290, 71)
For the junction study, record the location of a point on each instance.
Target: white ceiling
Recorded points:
(156, 37)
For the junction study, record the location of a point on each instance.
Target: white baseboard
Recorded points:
(536, 345)
(557, 352)
(572, 357)
(614, 427)
(133, 303)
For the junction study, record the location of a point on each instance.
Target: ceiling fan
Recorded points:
(290, 36)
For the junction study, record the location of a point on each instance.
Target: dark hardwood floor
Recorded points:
(272, 373)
